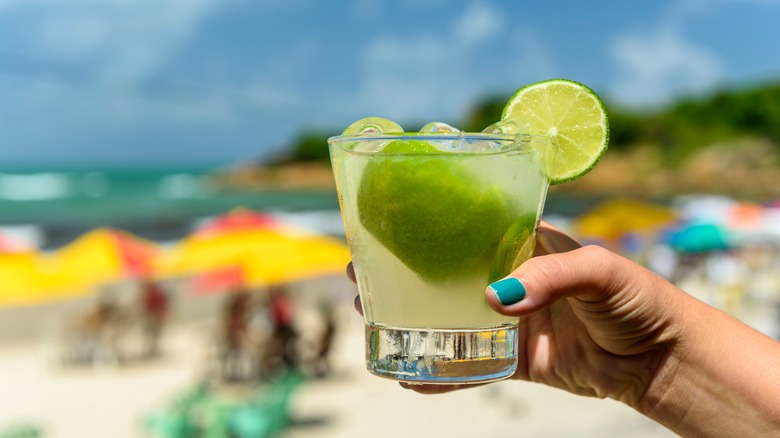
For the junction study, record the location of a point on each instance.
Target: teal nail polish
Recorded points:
(509, 290)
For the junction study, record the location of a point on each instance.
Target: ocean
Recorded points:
(49, 208)
(160, 203)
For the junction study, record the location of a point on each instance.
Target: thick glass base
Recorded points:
(441, 356)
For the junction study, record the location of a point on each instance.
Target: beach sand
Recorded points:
(112, 402)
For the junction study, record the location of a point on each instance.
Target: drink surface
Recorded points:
(429, 231)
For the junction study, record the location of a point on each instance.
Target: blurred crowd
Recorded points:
(724, 252)
(111, 331)
(259, 337)
(255, 334)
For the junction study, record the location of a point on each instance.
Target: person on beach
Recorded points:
(154, 313)
(234, 336)
(282, 311)
(597, 324)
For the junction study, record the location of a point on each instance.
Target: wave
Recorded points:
(36, 186)
(48, 186)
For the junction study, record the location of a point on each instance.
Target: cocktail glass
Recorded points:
(431, 219)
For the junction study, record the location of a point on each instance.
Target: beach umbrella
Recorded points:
(238, 219)
(16, 260)
(21, 272)
(296, 257)
(98, 257)
(745, 216)
(21, 277)
(105, 255)
(615, 218)
(258, 248)
(698, 238)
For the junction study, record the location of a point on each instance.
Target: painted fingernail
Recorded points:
(508, 291)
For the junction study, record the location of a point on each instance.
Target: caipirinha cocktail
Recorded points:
(431, 226)
(432, 218)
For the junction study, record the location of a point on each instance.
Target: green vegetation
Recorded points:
(677, 130)
(683, 127)
(311, 145)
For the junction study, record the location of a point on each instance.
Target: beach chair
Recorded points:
(22, 431)
(179, 419)
(266, 412)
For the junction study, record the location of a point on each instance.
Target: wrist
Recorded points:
(719, 378)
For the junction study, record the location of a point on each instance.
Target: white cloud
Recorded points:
(531, 58)
(479, 23)
(662, 63)
(95, 55)
(658, 66)
(433, 76)
(117, 37)
(409, 77)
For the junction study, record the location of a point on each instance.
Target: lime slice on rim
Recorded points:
(574, 118)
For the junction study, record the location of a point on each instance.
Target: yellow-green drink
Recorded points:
(431, 219)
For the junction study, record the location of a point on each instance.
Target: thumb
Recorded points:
(590, 273)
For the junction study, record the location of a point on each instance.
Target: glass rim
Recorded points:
(446, 136)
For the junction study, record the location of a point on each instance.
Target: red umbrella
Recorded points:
(238, 219)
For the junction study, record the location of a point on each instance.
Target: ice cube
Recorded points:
(373, 125)
(442, 128)
(370, 146)
(369, 126)
(504, 127)
(438, 127)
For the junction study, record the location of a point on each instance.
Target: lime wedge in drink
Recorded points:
(568, 112)
(426, 209)
(515, 246)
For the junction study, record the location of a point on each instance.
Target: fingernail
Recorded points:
(509, 290)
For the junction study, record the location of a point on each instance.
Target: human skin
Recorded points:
(596, 324)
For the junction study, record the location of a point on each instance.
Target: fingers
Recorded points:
(551, 240)
(436, 389)
(589, 272)
(351, 276)
(359, 305)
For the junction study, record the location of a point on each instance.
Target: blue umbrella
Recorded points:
(698, 237)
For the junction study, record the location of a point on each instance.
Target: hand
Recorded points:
(596, 324)
(585, 325)
(592, 323)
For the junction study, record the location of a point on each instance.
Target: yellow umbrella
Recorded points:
(103, 255)
(615, 218)
(20, 277)
(265, 252)
(296, 258)
(99, 256)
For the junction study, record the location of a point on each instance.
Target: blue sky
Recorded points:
(184, 82)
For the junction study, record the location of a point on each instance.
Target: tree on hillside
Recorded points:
(311, 145)
(677, 130)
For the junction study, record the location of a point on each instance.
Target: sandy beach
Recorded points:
(110, 401)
